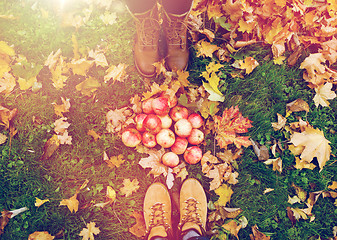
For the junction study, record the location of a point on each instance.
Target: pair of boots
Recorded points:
(193, 210)
(146, 48)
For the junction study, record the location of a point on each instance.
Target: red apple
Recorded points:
(166, 121)
(165, 138)
(139, 119)
(147, 106)
(183, 128)
(152, 123)
(131, 137)
(179, 145)
(196, 120)
(196, 136)
(160, 106)
(149, 140)
(172, 100)
(193, 155)
(170, 159)
(179, 112)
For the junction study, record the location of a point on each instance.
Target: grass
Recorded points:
(260, 95)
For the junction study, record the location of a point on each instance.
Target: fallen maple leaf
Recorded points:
(323, 94)
(50, 147)
(136, 104)
(183, 78)
(65, 138)
(88, 86)
(4, 219)
(154, 162)
(113, 161)
(129, 186)
(333, 186)
(257, 235)
(248, 64)
(224, 192)
(3, 138)
(155, 88)
(277, 164)
(7, 83)
(313, 64)
(80, 66)
(208, 108)
(300, 164)
(281, 122)
(297, 106)
(40, 236)
(116, 118)
(229, 126)
(314, 145)
(7, 115)
(139, 229)
(90, 231)
(99, 58)
(62, 108)
(72, 203)
(232, 227)
(206, 49)
(61, 125)
(117, 73)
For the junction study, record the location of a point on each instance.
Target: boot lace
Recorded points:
(176, 32)
(148, 32)
(191, 214)
(158, 217)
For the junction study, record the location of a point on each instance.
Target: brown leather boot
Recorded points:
(175, 28)
(157, 211)
(193, 207)
(146, 44)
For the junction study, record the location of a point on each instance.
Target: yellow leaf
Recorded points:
(89, 232)
(300, 164)
(155, 88)
(114, 161)
(95, 135)
(182, 77)
(6, 49)
(81, 66)
(206, 49)
(111, 193)
(129, 187)
(88, 86)
(117, 73)
(245, 26)
(209, 108)
(40, 236)
(248, 64)
(300, 192)
(3, 138)
(39, 202)
(26, 84)
(225, 193)
(72, 203)
(232, 227)
(333, 186)
(279, 60)
(323, 94)
(213, 95)
(62, 108)
(315, 145)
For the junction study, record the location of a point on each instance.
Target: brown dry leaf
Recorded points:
(297, 106)
(50, 147)
(232, 227)
(129, 186)
(261, 151)
(4, 219)
(139, 229)
(257, 235)
(72, 203)
(62, 108)
(315, 145)
(7, 115)
(153, 161)
(90, 231)
(40, 236)
(116, 73)
(323, 94)
(207, 162)
(281, 121)
(94, 134)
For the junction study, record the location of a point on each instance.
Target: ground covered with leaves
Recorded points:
(262, 74)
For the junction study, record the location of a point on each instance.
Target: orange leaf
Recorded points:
(139, 229)
(50, 147)
(233, 228)
(40, 236)
(5, 216)
(229, 126)
(95, 135)
(206, 49)
(257, 235)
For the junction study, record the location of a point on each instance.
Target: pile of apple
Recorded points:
(163, 122)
